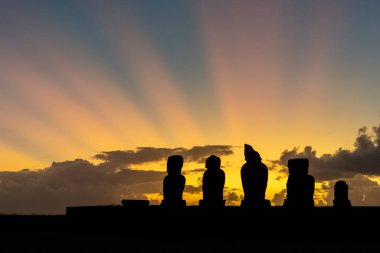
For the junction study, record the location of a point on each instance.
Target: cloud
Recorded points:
(72, 183)
(363, 160)
(80, 182)
(232, 196)
(191, 189)
(125, 158)
(363, 191)
(194, 171)
(278, 178)
(357, 167)
(279, 198)
(200, 153)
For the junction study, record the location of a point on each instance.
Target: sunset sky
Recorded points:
(79, 79)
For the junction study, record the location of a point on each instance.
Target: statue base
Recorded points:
(177, 203)
(298, 204)
(135, 203)
(255, 203)
(342, 204)
(213, 204)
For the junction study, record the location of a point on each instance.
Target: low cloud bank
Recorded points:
(357, 167)
(80, 182)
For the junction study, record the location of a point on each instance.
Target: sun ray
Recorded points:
(155, 81)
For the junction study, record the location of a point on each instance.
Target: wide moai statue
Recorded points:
(300, 185)
(341, 195)
(254, 177)
(174, 183)
(213, 183)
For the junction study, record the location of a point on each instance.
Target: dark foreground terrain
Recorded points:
(194, 229)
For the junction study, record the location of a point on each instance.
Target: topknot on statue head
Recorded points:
(174, 164)
(250, 154)
(298, 166)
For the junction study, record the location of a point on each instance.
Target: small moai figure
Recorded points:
(341, 195)
(213, 183)
(174, 183)
(254, 177)
(300, 185)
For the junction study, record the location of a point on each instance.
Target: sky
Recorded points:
(85, 82)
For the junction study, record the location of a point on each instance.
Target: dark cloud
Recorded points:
(363, 191)
(200, 153)
(80, 182)
(232, 196)
(355, 166)
(73, 183)
(279, 198)
(278, 178)
(191, 189)
(194, 171)
(150, 154)
(363, 160)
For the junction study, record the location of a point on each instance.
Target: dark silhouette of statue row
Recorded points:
(212, 186)
(254, 177)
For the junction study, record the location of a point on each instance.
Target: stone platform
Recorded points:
(193, 229)
(273, 222)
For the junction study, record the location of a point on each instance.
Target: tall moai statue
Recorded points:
(341, 195)
(300, 185)
(174, 183)
(213, 183)
(254, 177)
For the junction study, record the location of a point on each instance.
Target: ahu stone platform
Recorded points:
(144, 228)
(354, 223)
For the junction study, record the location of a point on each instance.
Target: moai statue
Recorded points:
(341, 195)
(174, 183)
(213, 183)
(300, 185)
(254, 177)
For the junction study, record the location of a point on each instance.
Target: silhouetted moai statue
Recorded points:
(213, 183)
(300, 185)
(341, 195)
(254, 177)
(174, 183)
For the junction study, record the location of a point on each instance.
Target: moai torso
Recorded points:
(300, 185)
(341, 195)
(254, 178)
(213, 184)
(174, 184)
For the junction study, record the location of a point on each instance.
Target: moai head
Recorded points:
(250, 154)
(341, 191)
(298, 166)
(213, 163)
(174, 164)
